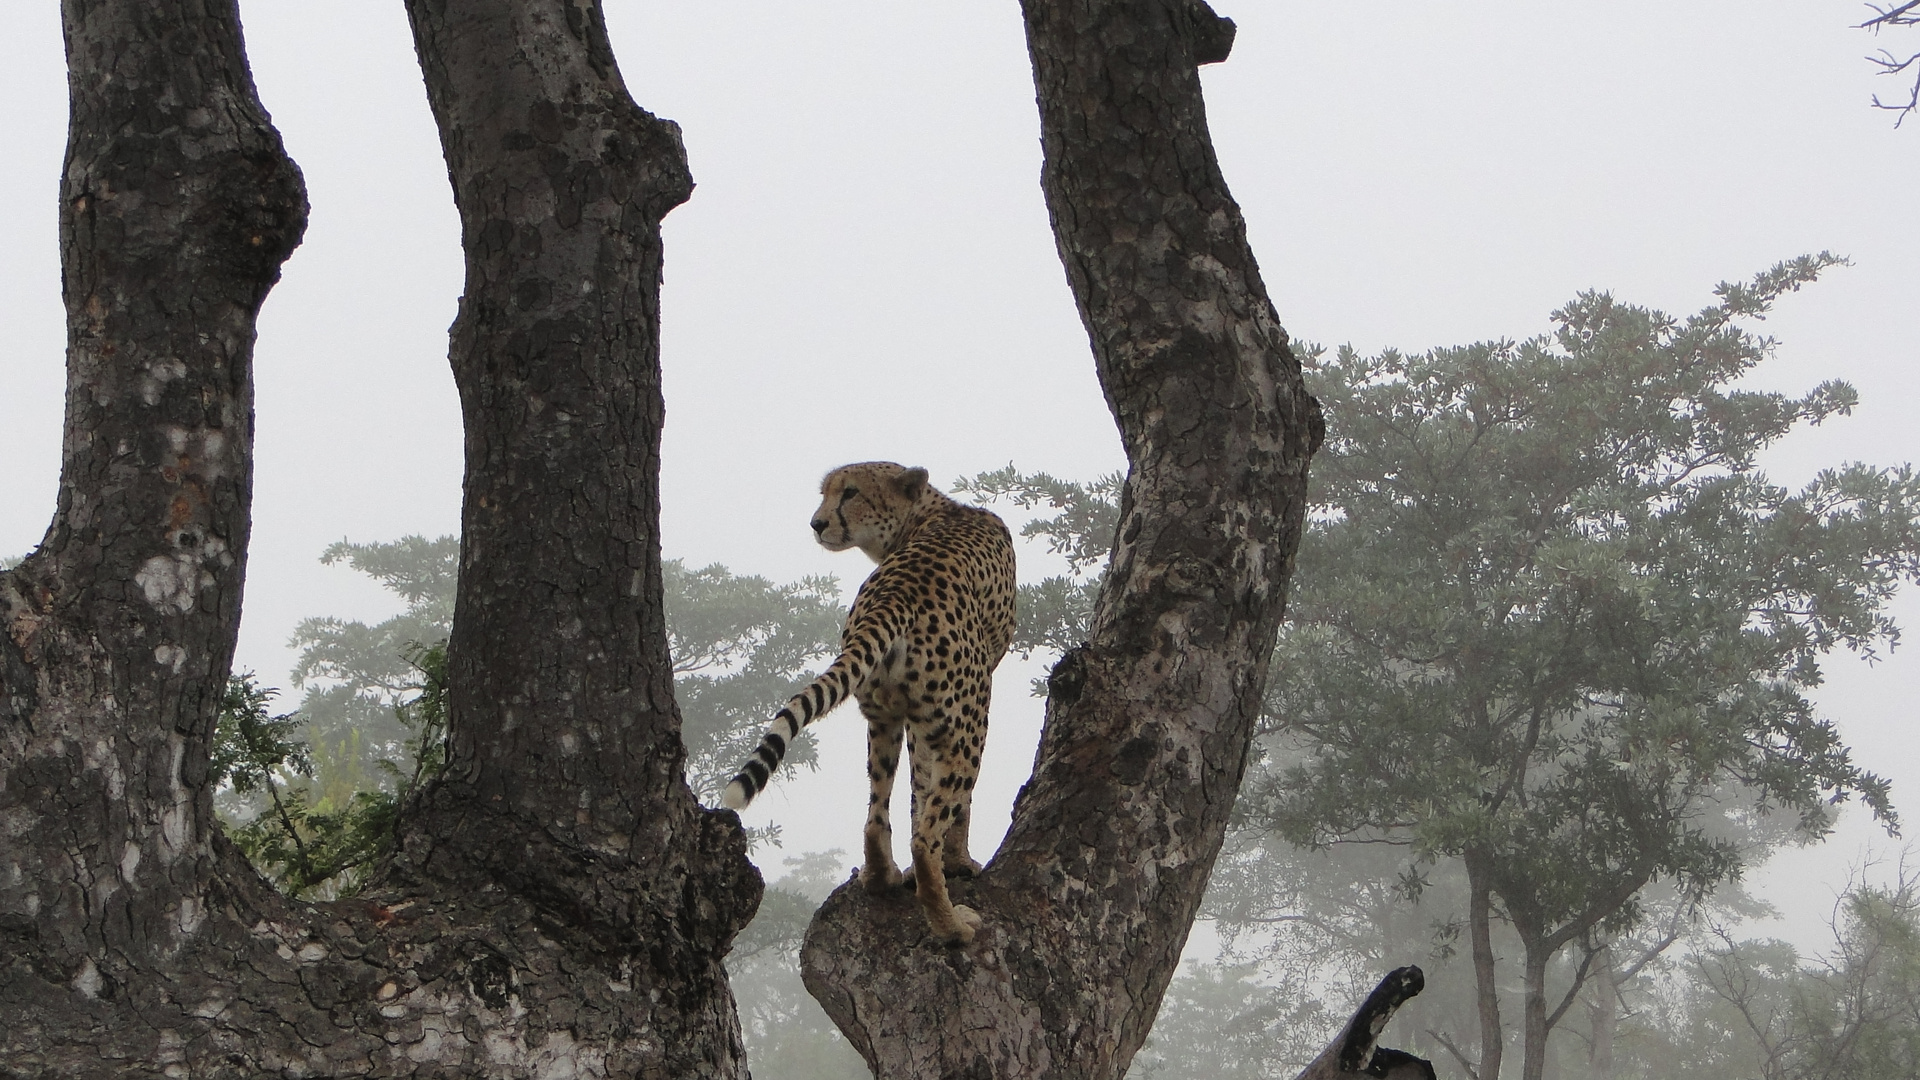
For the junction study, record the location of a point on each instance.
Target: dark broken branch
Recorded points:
(1357, 1052)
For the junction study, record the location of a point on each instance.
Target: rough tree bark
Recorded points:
(1088, 903)
(559, 903)
(177, 207)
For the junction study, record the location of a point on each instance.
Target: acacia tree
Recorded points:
(1088, 902)
(1559, 624)
(559, 902)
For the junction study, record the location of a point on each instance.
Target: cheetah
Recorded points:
(918, 653)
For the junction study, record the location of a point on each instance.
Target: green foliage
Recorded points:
(1055, 613)
(1551, 622)
(312, 796)
(311, 842)
(1548, 610)
(354, 675)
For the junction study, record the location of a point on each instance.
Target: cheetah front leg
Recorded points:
(877, 871)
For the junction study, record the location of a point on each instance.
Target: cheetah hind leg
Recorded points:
(878, 874)
(954, 857)
(951, 924)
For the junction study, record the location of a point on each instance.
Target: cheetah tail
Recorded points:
(819, 698)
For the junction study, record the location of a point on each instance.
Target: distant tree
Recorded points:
(1224, 1022)
(353, 675)
(1757, 1008)
(740, 644)
(1556, 621)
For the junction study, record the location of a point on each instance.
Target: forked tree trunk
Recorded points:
(1088, 902)
(560, 903)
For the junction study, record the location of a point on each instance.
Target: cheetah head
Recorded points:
(866, 506)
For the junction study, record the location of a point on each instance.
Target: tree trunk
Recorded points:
(1088, 902)
(559, 904)
(1603, 1014)
(1486, 986)
(564, 802)
(1534, 1026)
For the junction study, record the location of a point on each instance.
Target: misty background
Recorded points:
(865, 271)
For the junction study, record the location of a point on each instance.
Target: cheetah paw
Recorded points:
(879, 882)
(965, 922)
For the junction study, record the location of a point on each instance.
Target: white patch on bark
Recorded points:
(191, 916)
(312, 953)
(87, 980)
(170, 582)
(171, 1052)
(157, 376)
(171, 657)
(176, 821)
(129, 861)
(100, 757)
(199, 450)
(560, 1058)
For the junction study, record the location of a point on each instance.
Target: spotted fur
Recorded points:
(918, 653)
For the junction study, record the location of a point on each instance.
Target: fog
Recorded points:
(865, 271)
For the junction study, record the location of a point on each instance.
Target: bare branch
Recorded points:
(1907, 14)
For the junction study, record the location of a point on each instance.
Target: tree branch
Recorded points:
(1357, 1051)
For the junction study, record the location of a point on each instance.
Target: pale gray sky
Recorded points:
(865, 268)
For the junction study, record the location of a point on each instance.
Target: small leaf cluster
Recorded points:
(308, 842)
(1056, 611)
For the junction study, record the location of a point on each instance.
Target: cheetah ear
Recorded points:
(912, 483)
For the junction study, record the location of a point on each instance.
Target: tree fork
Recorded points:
(1088, 903)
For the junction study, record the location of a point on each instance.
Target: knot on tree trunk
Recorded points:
(1211, 34)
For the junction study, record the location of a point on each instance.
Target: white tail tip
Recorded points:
(735, 797)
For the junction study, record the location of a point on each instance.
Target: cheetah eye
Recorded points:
(848, 493)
